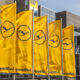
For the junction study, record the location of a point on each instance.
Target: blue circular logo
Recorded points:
(7, 29)
(54, 41)
(24, 33)
(40, 37)
(67, 44)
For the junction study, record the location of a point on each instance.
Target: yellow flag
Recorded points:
(68, 51)
(24, 42)
(55, 48)
(7, 38)
(40, 46)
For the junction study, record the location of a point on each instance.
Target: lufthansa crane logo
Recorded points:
(7, 29)
(40, 37)
(54, 41)
(24, 33)
(67, 44)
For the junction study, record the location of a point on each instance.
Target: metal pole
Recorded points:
(48, 46)
(33, 49)
(32, 45)
(62, 50)
(14, 76)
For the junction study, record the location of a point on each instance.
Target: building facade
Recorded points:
(69, 19)
(42, 11)
(23, 5)
(3, 2)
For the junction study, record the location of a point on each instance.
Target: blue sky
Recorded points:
(61, 5)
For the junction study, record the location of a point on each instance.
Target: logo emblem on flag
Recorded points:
(54, 41)
(24, 33)
(40, 37)
(7, 29)
(67, 44)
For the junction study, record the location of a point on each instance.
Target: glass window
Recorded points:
(77, 60)
(77, 71)
(26, 2)
(78, 40)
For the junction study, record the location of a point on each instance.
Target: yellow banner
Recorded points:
(69, 51)
(55, 48)
(24, 42)
(40, 46)
(7, 38)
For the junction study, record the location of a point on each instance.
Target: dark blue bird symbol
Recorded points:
(54, 41)
(39, 37)
(6, 28)
(23, 33)
(67, 43)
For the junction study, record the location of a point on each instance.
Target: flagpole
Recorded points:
(75, 61)
(62, 50)
(48, 46)
(14, 76)
(33, 49)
